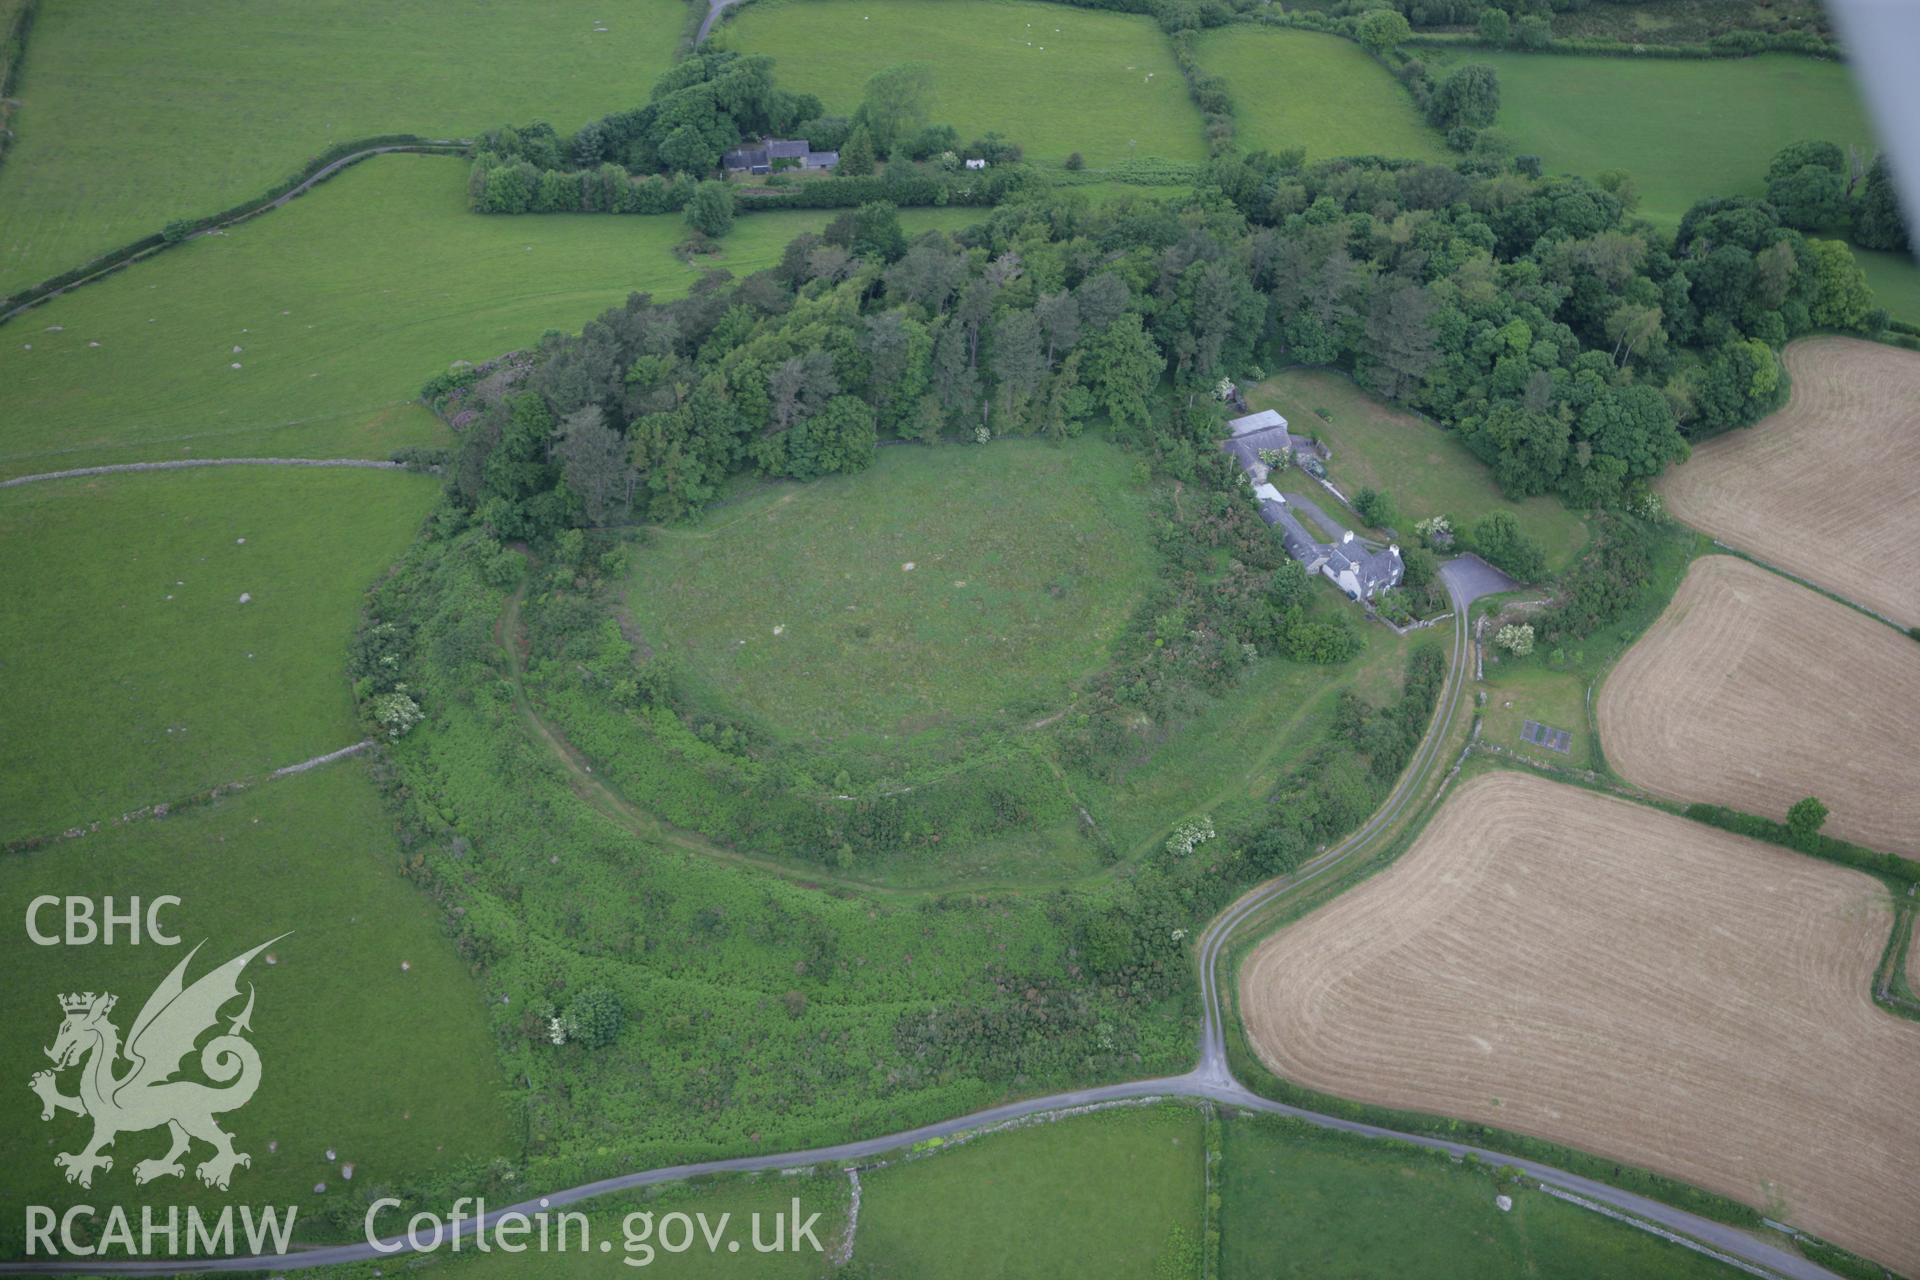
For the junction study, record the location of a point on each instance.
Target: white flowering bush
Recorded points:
(1277, 459)
(1435, 531)
(1647, 505)
(1223, 389)
(1189, 836)
(981, 435)
(1516, 638)
(397, 712)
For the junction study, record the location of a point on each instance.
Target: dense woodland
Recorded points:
(1575, 350)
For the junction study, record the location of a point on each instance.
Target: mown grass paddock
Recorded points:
(1054, 79)
(1426, 470)
(340, 305)
(1117, 1192)
(1297, 1201)
(940, 592)
(1577, 967)
(134, 675)
(1518, 691)
(1315, 91)
(133, 114)
(390, 1067)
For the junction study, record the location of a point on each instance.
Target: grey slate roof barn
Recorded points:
(762, 156)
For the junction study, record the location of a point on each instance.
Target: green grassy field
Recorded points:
(1425, 470)
(1114, 1194)
(790, 608)
(1055, 80)
(391, 1068)
(341, 305)
(1320, 92)
(1554, 694)
(133, 114)
(132, 675)
(940, 591)
(1685, 129)
(1895, 281)
(1301, 1202)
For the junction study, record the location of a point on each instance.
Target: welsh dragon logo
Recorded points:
(145, 1095)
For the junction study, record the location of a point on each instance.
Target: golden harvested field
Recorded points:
(1829, 487)
(1752, 691)
(1584, 969)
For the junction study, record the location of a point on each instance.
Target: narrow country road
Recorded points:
(1212, 1079)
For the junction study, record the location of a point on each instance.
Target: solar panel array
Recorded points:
(1542, 736)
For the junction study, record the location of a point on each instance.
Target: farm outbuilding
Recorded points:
(1360, 570)
(769, 154)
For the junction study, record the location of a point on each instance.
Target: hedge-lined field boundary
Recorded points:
(317, 170)
(13, 52)
(1732, 44)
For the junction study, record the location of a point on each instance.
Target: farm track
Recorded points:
(1211, 1079)
(161, 809)
(185, 464)
(714, 9)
